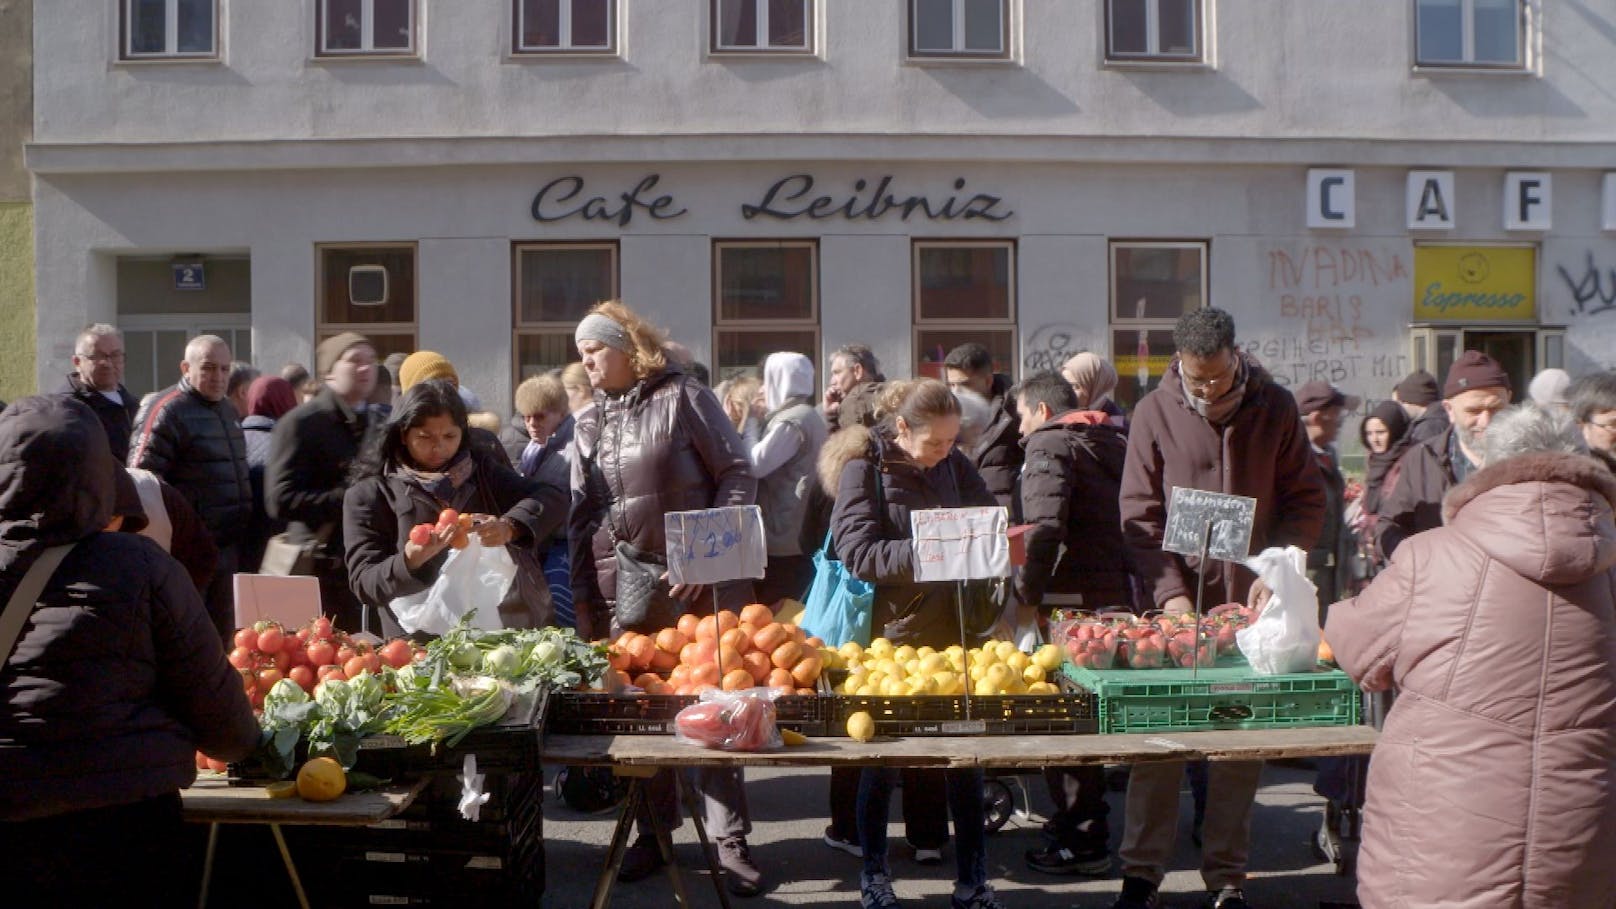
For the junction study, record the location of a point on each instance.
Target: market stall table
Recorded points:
(638, 756)
(216, 801)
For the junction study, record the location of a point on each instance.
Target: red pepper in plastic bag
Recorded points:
(731, 721)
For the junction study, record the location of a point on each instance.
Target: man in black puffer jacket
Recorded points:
(113, 685)
(189, 435)
(996, 453)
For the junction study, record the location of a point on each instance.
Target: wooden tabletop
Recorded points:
(216, 801)
(991, 752)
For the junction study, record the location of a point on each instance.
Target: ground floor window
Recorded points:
(554, 285)
(963, 291)
(1153, 282)
(765, 300)
(369, 288)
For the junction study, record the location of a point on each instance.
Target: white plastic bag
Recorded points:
(476, 577)
(1285, 637)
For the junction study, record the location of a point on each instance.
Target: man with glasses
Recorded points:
(97, 380)
(1593, 406)
(1217, 422)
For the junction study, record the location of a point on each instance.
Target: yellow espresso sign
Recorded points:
(1475, 284)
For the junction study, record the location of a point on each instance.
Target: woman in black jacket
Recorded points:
(424, 462)
(905, 465)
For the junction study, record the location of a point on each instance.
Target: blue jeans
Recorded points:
(964, 804)
(558, 576)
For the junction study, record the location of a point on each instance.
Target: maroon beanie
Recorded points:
(1472, 370)
(270, 396)
(1417, 388)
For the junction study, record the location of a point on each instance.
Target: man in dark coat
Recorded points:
(189, 435)
(1217, 422)
(312, 449)
(1076, 557)
(1417, 394)
(1411, 497)
(996, 453)
(97, 381)
(1323, 407)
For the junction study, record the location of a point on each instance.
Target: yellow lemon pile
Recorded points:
(996, 667)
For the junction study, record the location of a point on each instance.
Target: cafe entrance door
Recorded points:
(1523, 352)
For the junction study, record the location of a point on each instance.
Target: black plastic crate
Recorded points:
(1070, 712)
(600, 713)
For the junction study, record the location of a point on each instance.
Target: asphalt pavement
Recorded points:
(789, 809)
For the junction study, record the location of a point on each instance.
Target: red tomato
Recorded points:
(460, 541)
(373, 662)
(321, 653)
(396, 653)
(345, 653)
(283, 661)
(201, 761)
(271, 640)
(322, 629)
(298, 656)
(303, 676)
(421, 534)
(302, 637)
(448, 518)
(331, 672)
(464, 522)
(217, 766)
(241, 658)
(247, 638)
(354, 666)
(267, 678)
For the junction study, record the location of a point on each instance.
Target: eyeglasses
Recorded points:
(115, 357)
(1213, 382)
(1608, 426)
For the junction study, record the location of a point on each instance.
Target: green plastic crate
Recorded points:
(1172, 700)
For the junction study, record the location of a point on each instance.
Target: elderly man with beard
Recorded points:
(1476, 389)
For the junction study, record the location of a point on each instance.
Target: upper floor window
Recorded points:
(369, 288)
(348, 28)
(1167, 30)
(565, 26)
(753, 26)
(169, 28)
(959, 28)
(1482, 33)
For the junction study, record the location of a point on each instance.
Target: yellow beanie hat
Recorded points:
(423, 365)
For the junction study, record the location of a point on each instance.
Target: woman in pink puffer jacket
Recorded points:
(1494, 782)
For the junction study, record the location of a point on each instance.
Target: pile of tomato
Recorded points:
(267, 652)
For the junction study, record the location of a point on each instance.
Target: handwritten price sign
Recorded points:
(1221, 522)
(715, 544)
(960, 544)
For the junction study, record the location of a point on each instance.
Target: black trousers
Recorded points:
(136, 853)
(1080, 808)
(925, 812)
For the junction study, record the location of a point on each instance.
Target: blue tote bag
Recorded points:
(837, 608)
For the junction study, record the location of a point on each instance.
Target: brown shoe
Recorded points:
(741, 876)
(642, 858)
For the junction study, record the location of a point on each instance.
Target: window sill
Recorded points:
(171, 60)
(948, 60)
(1158, 64)
(368, 58)
(1464, 69)
(537, 56)
(761, 54)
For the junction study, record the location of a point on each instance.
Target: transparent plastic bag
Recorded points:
(731, 720)
(1285, 636)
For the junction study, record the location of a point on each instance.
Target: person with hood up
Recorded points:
(1217, 422)
(97, 381)
(783, 462)
(1384, 434)
(115, 680)
(1494, 780)
(996, 452)
(656, 441)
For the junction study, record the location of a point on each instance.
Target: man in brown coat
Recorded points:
(1411, 500)
(1217, 422)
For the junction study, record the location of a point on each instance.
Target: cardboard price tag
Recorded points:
(715, 544)
(960, 544)
(1190, 514)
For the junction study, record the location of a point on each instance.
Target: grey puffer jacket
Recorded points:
(118, 677)
(664, 445)
(1494, 781)
(197, 446)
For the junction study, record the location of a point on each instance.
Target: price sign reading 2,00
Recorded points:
(712, 545)
(715, 544)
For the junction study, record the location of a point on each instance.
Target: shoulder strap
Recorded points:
(23, 599)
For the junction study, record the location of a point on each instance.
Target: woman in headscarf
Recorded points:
(1095, 380)
(115, 681)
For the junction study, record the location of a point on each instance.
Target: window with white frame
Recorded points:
(1167, 30)
(168, 28)
(965, 290)
(369, 288)
(758, 26)
(564, 26)
(554, 285)
(354, 28)
(1153, 282)
(959, 28)
(1474, 33)
(765, 300)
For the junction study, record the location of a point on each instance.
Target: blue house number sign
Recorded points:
(189, 276)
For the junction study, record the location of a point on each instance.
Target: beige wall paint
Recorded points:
(16, 194)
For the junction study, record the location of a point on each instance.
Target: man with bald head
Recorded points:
(190, 435)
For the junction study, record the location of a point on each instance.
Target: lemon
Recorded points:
(915, 688)
(1014, 685)
(904, 654)
(998, 675)
(1005, 649)
(1049, 656)
(321, 780)
(868, 691)
(1042, 688)
(985, 688)
(851, 652)
(975, 673)
(880, 647)
(861, 727)
(792, 737)
(912, 667)
(852, 685)
(932, 664)
(1018, 661)
(923, 652)
(282, 790)
(890, 668)
(894, 688)
(945, 681)
(1032, 673)
(955, 652)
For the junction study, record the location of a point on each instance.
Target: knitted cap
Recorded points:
(1316, 396)
(1473, 370)
(332, 349)
(1417, 388)
(423, 365)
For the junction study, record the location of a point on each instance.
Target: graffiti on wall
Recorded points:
(1330, 307)
(1593, 290)
(1052, 345)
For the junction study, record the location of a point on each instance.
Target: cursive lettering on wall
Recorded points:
(792, 197)
(551, 202)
